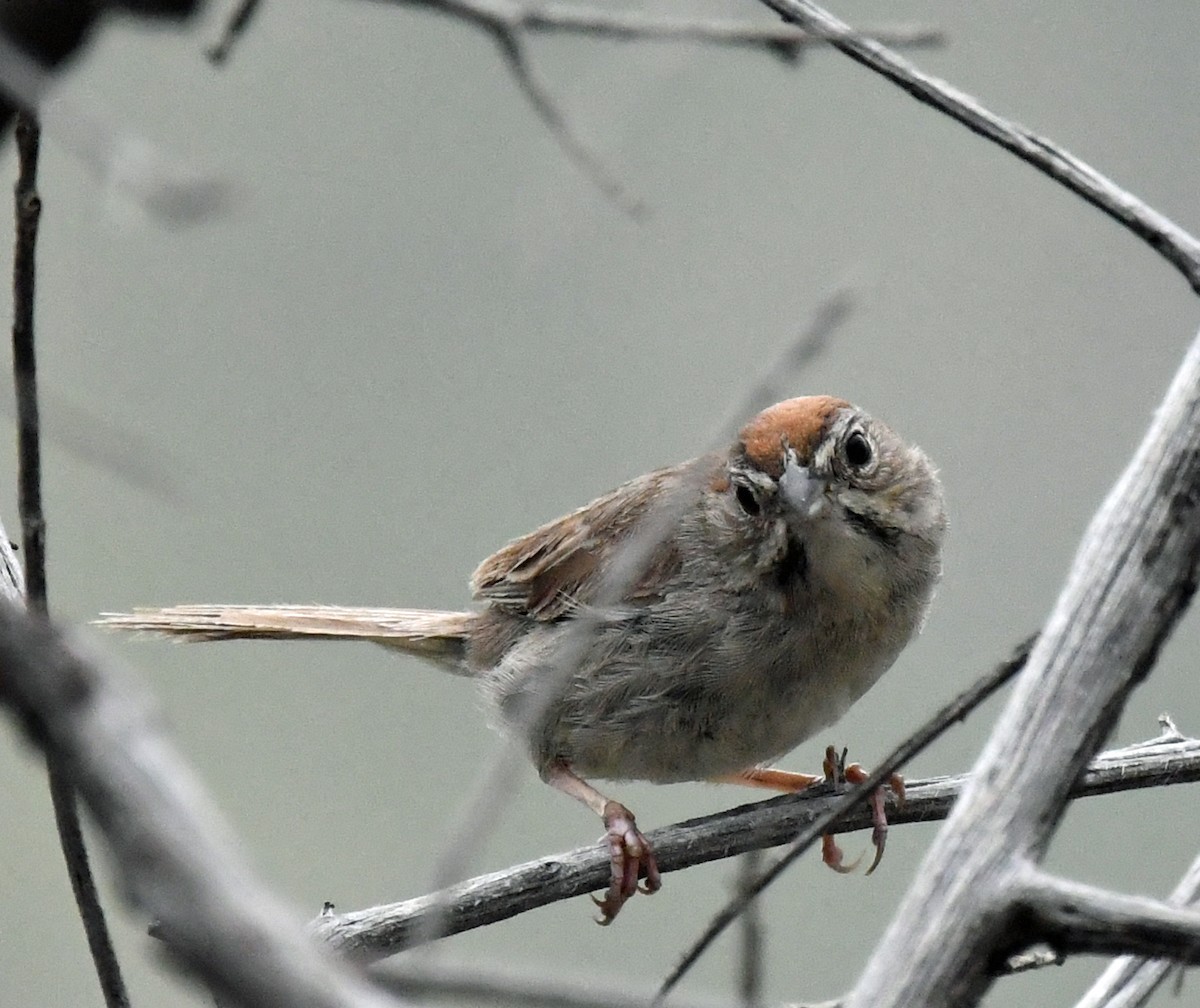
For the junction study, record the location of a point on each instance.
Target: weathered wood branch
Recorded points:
(177, 862)
(377, 932)
(1129, 981)
(1072, 917)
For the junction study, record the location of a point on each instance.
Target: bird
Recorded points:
(695, 624)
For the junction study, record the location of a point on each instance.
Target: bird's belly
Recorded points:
(709, 721)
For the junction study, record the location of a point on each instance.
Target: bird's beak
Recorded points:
(803, 492)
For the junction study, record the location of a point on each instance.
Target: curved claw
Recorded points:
(833, 857)
(631, 856)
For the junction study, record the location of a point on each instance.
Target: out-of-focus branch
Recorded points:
(496, 985)
(49, 32)
(629, 25)
(178, 863)
(381, 931)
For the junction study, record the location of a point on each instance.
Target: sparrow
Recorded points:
(695, 624)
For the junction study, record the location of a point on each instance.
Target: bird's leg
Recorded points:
(630, 851)
(836, 773)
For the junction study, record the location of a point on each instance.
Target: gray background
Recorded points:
(423, 332)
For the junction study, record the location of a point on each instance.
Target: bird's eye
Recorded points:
(746, 500)
(858, 450)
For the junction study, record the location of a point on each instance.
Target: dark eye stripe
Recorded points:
(868, 526)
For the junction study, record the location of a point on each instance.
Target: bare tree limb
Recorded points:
(378, 932)
(1173, 243)
(1133, 576)
(1072, 918)
(177, 861)
(1128, 981)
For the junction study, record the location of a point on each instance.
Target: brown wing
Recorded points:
(563, 564)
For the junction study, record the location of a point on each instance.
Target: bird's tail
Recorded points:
(440, 636)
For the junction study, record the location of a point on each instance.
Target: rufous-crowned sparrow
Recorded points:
(771, 585)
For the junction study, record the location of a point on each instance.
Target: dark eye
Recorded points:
(746, 500)
(858, 450)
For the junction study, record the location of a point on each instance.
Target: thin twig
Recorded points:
(535, 90)
(778, 380)
(508, 22)
(630, 25)
(29, 464)
(235, 28)
(751, 946)
(1168, 239)
(33, 538)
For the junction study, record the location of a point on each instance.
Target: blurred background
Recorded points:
(422, 331)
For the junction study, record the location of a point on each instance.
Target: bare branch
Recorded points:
(1129, 981)
(235, 28)
(501, 985)
(1072, 918)
(378, 932)
(628, 25)
(538, 94)
(1163, 235)
(177, 861)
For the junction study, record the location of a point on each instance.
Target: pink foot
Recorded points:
(632, 856)
(855, 774)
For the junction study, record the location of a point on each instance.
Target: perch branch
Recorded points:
(1173, 243)
(377, 932)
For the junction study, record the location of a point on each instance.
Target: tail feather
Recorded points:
(429, 633)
